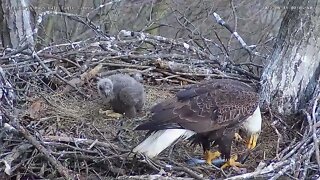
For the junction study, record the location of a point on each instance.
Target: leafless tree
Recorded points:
(49, 45)
(291, 80)
(16, 23)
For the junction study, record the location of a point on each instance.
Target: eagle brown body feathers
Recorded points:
(214, 110)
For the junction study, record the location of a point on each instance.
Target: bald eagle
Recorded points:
(208, 113)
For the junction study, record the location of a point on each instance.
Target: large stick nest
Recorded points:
(54, 125)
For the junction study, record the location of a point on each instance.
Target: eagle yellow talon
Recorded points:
(209, 156)
(238, 137)
(110, 113)
(251, 144)
(232, 162)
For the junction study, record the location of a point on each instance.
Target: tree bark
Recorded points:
(16, 23)
(291, 79)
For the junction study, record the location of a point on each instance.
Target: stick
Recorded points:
(314, 131)
(13, 156)
(236, 35)
(178, 77)
(61, 169)
(84, 141)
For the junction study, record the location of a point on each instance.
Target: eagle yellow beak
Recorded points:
(252, 142)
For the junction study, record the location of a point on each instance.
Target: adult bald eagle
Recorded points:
(207, 112)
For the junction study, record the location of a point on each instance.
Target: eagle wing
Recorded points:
(205, 107)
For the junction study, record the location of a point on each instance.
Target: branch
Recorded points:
(237, 36)
(61, 169)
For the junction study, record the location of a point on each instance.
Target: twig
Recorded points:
(14, 52)
(188, 171)
(264, 171)
(125, 71)
(146, 36)
(83, 141)
(283, 171)
(67, 146)
(178, 77)
(155, 176)
(314, 131)
(297, 147)
(238, 37)
(279, 138)
(197, 74)
(62, 170)
(50, 72)
(124, 65)
(13, 156)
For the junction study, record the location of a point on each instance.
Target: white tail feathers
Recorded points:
(160, 140)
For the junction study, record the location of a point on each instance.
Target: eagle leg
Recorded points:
(251, 144)
(209, 156)
(232, 162)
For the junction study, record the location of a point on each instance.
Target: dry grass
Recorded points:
(70, 115)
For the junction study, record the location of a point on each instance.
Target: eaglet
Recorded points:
(124, 93)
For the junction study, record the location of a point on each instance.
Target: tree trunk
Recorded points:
(16, 26)
(291, 79)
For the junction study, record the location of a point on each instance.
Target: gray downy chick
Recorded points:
(124, 93)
